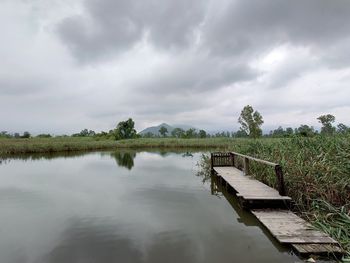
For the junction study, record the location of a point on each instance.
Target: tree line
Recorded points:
(251, 122)
(249, 119)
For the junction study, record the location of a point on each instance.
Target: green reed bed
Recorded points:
(48, 145)
(334, 221)
(317, 177)
(61, 144)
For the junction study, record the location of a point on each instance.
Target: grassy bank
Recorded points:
(49, 145)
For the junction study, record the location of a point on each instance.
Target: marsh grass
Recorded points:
(334, 221)
(50, 145)
(317, 177)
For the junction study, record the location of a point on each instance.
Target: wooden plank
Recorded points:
(248, 188)
(318, 249)
(262, 197)
(305, 240)
(287, 227)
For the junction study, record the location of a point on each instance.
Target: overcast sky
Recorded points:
(66, 65)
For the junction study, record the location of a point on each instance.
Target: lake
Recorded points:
(123, 207)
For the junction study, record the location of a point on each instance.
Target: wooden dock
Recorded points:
(271, 207)
(251, 192)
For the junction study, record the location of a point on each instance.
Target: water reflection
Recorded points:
(5, 159)
(77, 210)
(86, 241)
(124, 159)
(220, 188)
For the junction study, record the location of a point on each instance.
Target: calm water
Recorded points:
(123, 207)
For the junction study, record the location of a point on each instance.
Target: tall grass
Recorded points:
(317, 177)
(334, 221)
(49, 145)
(46, 145)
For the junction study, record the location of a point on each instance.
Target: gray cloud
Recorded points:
(109, 27)
(197, 74)
(13, 86)
(252, 26)
(193, 62)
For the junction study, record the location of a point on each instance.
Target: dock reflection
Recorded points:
(220, 188)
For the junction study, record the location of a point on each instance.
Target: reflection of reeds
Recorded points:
(204, 168)
(315, 168)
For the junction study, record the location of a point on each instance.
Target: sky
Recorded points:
(67, 65)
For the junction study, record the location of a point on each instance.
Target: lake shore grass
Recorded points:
(317, 177)
(316, 170)
(65, 144)
(49, 145)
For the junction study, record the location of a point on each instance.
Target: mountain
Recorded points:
(155, 129)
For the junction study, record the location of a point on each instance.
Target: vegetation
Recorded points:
(327, 121)
(334, 221)
(316, 171)
(125, 130)
(50, 145)
(251, 121)
(163, 131)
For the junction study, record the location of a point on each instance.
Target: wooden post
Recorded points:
(212, 161)
(232, 159)
(246, 166)
(280, 180)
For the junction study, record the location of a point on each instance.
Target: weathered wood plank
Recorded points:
(287, 227)
(318, 249)
(247, 187)
(262, 197)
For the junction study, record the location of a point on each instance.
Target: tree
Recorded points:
(305, 130)
(202, 134)
(190, 133)
(279, 132)
(240, 134)
(84, 132)
(327, 121)
(44, 135)
(5, 134)
(342, 128)
(178, 133)
(125, 130)
(26, 135)
(163, 131)
(289, 131)
(148, 135)
(251, 121)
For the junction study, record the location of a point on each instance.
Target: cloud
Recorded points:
(250, 27)
(109, 27)
(193, 73)
(67, 66)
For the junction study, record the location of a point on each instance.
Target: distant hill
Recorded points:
(155, 129)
